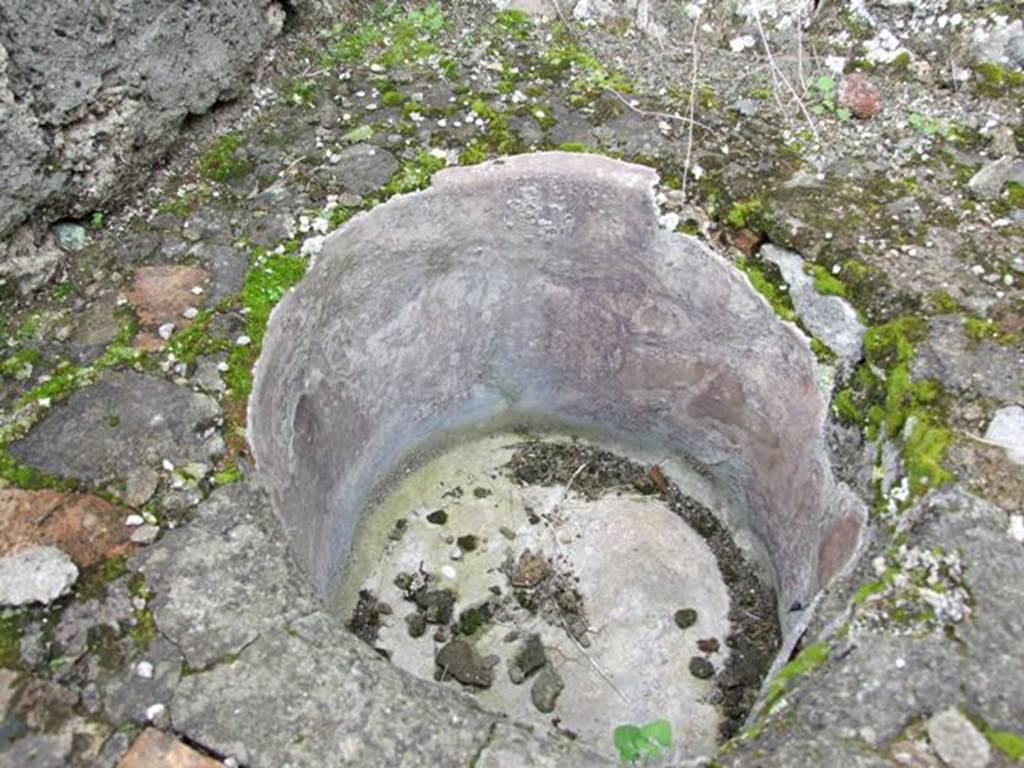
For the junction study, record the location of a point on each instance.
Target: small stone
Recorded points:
(1007, 429)
(528, 659)
(38, 574)
(957, 741)
(165, 331)
(460, 660)
(436, 604)
(416, 624)
(481, 493)
(190, 313)
(860, 96)
(448, 572)
(134, 521)
(708, 645)
(530, 570)
(987, 183)
(438, 517)
(546, 689)
(685, 618)
(701, 668)
(468, 543)
(144, 669)
(508, 533)
(243, 341)
(71, 237)
(140, 485)
(456, 554)
(145, 534)
(153, 748)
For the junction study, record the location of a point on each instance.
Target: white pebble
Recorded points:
(153, 712)
(447, 571)
(144, 669)
(134, 521)
(165, 331)
(243, 341)
(190, 313)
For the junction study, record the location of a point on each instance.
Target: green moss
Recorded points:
(227, 476)
(810, 658)
(10, 639)
(392, 98)
(941, 303)
(515, 24)
(979, 329)
(222, 162)
(470, 621)
(20, 364)
(778, 299)
(1009, 743)
(845, 407)
(745, 213)
(143, 632)
(195, 341)
(302, 93)
(923, 451)
(825, 282)
(992, 79)
(265, 285)
(414, 175)
(1015, 194)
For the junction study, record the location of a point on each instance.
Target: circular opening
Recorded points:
(540, 292)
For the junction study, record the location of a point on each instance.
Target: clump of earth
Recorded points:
(567, 586)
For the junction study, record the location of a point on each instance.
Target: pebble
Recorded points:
(134, 521)
(957, 741)
(38, 574)
(144, 669)
(448, 572)
(685, 618)
(701, 668)
(165, 331)
(546, 689)
(145, 534)
(243, 341)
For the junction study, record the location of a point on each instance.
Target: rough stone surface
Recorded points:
(363, 168)
(545, 689)
(1007, 429)
(38, 574)
(965, 366)
(879, 681)
(957, 741)
(667, 357)
(93, 95)
(87, 528)
(153, 749)
(161, 294)
(125, 421)
(205, 574)
(829, 318)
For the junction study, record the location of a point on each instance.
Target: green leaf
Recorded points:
(1008, 742)
(843, 113)
(826, 84)
(633, 742)
(627, 739)
(660, 732)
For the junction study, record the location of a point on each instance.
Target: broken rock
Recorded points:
(35, 575)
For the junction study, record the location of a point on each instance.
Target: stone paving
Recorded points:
(204, 628)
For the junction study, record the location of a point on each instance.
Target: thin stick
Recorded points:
(693, 102)
(650, 113)
(782, 76)
(983, 441)
(597, 667)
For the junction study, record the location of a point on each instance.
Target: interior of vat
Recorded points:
(539, 291)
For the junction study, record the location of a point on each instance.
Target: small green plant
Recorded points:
(823, 98)
(929, 126)
(96, 220)
(636, 741)
(222, 162)
(1009, 743)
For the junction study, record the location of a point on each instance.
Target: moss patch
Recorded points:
(223, 162)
